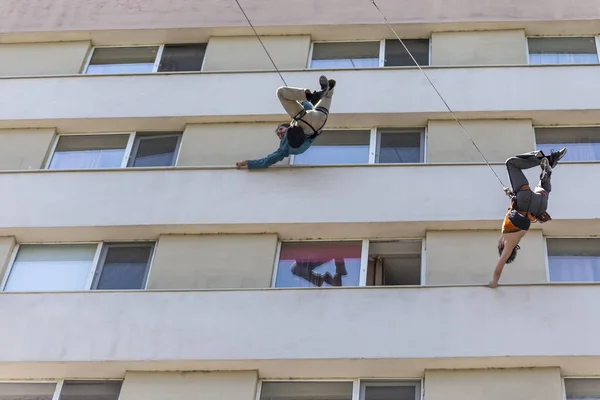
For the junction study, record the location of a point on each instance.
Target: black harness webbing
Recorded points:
(316, 132)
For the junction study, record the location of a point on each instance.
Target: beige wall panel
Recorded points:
(497, 140)
(225, 144)
(42, 58)
(213, 261)
(501, 384)
(24, 148)
(7, 244)
(469, 257)
(479, 48)
(246, 53)
(189, 385)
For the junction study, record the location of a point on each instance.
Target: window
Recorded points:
(306, 391)
(329, 55)
(345, 55)
(341, 390)
(582, 388)
(145, 59)
(337, 147)
(400, 146)
(140, 149)
(397, 56)
(69, 390)
(390, 390)
(66, 267)
(394, 263)
(583, 143)
(563, 50)
(317, 264)
(388, 146)
(574, 260)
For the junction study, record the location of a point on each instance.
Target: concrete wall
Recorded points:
(464, 257)
(497, 140)
(7, 244)
(514, 384)
(189, 385)
(327, 195)
(475, 324)
(479, 48)
(213, 261)
(24, 148)
(246, 53)
(42, 58)
(250, 97)
(225, 144)
(33, 15)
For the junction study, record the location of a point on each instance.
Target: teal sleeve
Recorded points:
(267, 161)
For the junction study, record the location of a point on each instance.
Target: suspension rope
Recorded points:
(437, 91)
(261, 42)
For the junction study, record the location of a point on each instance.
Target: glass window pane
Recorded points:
(574, 260)
(583, 143)
(399, 147)
(184, 57)
(319, 264)
(155, 151)
(90, 390)
(345, 55)
(51, 268)
(89, 151)
(124, 267)
(583, 388)
(111, 60)
(397, 56)
(390, 393)
(337, 147)
(26, 391)
(306, 391)
(563, 50)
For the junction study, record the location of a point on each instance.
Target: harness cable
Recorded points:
(438, 93)
(261, 42)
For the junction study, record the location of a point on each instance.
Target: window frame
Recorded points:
(97, 262)
(536, 127)
(381, 52)
(59, 383)
(129, 149)
(357, 384)
(157, 60)
(364, 257)
(596, 39)
(575, 377)
(547, 260)
(375, 143)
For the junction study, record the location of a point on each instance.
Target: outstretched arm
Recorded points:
(264, 162)
(509, 244)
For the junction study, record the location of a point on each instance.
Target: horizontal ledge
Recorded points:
(270, 169)
(274, 289)
(296, 70)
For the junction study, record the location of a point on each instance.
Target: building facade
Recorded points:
(137, 262)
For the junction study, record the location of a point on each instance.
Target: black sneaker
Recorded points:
(325, 84)
(546, 169)
(556, 156)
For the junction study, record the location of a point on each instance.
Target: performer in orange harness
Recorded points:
(526, 206)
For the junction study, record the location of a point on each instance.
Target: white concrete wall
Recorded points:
(21, 59)
(239, 197)
(490, 384)
(245, 53)
(494, 47)
(141, 385)
(24, 149)
(251, 96)
(452, 322)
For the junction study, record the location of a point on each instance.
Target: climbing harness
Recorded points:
(436, 90)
